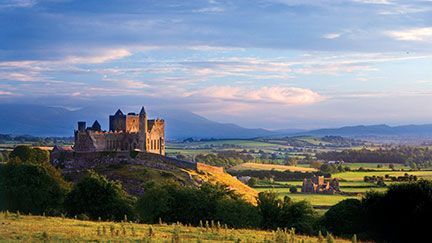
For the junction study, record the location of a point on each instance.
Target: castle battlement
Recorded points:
(126, 133)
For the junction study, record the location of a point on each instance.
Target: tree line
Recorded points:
(418, 157)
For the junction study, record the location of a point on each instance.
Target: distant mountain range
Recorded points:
(37, 120)
(375, 130)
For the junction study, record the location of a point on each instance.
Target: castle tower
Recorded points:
(143, 128)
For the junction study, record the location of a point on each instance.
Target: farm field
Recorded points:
(257, 166)
(350, 182)
(359, 175)
(55, 229)
(317, 200)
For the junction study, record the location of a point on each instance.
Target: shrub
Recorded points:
(27, 154)
(96, 197)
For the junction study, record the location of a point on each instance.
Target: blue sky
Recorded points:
(257, 63)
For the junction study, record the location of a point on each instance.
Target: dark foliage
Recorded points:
(226, 158)
(413, 156)
(276, 213)
(344, 218)
(27, 154)
(95, 196)
(31, 188)
(401, 214)
(172, 203)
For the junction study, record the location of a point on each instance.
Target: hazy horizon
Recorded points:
(274, 64)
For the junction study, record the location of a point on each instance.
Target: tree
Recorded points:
(298, 215)
(345, 218)
(237, 213)
(27, 154)
(31, 188)
(399, 215)
(95, 196)
(269, 206)
(252, 182)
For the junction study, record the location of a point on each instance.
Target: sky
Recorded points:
(257, 63)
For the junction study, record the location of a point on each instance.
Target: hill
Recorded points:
(37, 120)
(375, 130)
(51, 229)
(135, 171)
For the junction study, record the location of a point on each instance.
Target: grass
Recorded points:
(317, 200)
(55, 229)
(257, 166)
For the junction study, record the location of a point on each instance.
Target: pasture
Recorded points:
(56, 229)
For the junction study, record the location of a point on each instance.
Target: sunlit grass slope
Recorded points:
(16, 228)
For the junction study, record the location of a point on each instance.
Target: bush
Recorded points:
(344, 218)
(293, 189)
(31, 188)
(27, 154)
(96, 197)
(172, 203)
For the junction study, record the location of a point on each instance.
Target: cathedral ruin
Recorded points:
(131, 132)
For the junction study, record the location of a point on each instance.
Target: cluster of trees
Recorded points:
(225, 158)
(416, 157)
(399, 215)
(333, 168)
(6, 138)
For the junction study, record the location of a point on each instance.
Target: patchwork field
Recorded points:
(317, 200)
(350, 182)
(16, 228)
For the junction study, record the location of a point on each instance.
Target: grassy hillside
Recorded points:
(38, 228)
(159, 170)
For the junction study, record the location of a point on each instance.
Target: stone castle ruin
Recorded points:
(131, 132)
(317, 184)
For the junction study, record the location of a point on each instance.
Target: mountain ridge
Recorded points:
(39, 120)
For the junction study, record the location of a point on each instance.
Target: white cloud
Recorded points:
(104, 56)
(272, 94)
(331, 36)
(412, 34)
(2, 92)
(374, 1)
(210, 10)
(18, 3)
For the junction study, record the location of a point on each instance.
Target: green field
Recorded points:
(317, 200)
(18, 228)
(350, 182)
(358, 175)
